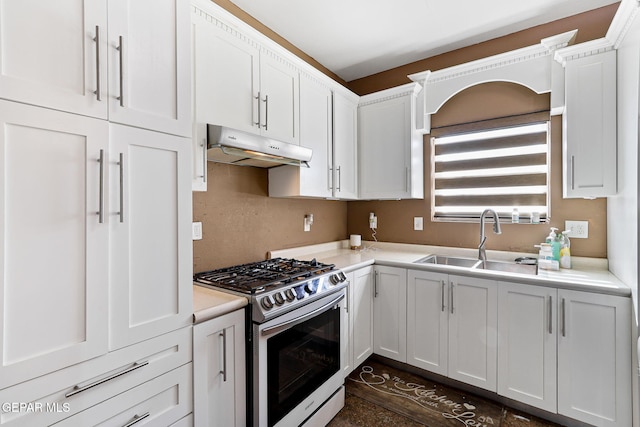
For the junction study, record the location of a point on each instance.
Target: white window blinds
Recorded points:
(501, 169)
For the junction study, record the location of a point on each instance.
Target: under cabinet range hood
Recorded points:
(226, 145)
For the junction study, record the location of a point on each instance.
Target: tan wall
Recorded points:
(490, 100)
(241, 223)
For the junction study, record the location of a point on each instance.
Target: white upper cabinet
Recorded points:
(345, 151)
(54, 54)
(149, 217)
(239, 83)
(316, 133)
(589, 121)
(74, 61)
(53, 223)
(390, 151)
(148, 43)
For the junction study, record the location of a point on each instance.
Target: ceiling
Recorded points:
(357, 38)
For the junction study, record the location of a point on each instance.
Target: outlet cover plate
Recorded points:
(196, 231)
(418, 223)
(579, 229)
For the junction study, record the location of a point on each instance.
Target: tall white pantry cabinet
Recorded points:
(95, 266)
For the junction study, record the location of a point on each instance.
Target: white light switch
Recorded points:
(418, 223)
(196, 231)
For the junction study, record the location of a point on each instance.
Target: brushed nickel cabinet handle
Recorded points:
(375, 285)
(329, 183)
(120, 50)
(573, 172)
(100, 212)
(442, 294)
(136, 419)
(550, 313)
(79, 389)
(266, 112)
(121, 164)
(339, 179)
(203, 144)
(451, 296)
(223, 335)
(564, 320)
(98, 91)
(258, 123)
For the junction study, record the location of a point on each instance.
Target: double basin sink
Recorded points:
(476, 264)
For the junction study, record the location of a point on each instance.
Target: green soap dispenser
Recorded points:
(553, 240)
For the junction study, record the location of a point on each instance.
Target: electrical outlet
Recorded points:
(196, 231)
(373, 221)
(579, 229)
(418, 223)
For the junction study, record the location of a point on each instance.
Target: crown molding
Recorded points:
(622, 21)
(394, 92)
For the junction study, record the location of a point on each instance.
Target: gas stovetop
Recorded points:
(259, 276)
(277, 285)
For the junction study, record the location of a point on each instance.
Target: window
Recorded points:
(501, 169)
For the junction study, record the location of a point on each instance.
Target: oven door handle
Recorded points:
(282, 326)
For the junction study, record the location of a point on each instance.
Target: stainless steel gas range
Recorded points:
(295, 337)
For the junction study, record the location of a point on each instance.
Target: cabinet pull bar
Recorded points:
(223, 334)
(101, 189)
(451, 296)
(266, 112)
(573, 173)
(329, 183)
(443, 290)
(204, 160)
(79, 389)
(375, 285)
(550, 314)
(120, 50)
(136, 419)
(339, 178)
(258, 123)
(564, 320)
(96, 39)
(121, 164)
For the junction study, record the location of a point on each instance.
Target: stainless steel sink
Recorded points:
(510, 267)
(472, 263)
(449, 260)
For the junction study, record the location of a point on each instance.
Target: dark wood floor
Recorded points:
(380, 395)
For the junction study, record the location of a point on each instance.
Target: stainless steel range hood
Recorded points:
(225, 145)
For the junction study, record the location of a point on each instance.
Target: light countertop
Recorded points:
(209, 303)
(587, 274)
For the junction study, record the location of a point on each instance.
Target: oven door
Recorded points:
(297, 362)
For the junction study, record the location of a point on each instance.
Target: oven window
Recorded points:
(299, 360)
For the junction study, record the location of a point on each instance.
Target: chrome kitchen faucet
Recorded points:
(482, 255)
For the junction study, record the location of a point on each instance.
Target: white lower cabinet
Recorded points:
(594, 358)
(219, 371)
(358, 335)
(527, 344)
(451, 326)
(390, 313)
(160, 401)
(70, 391)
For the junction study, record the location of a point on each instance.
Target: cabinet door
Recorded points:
(589, 145)
(149, 64)
(384, 136)
(316, 123)
(473, 322)
(227, 75)
(362, 315)
(389, 308)
(594, 358)
(53, 262)
(219, 371)
(527, 344)
(54, 59)
(150, 226)
(279, 99)
(427, 320)
(345, 119)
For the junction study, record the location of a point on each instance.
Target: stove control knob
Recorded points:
(337, 278)
(289, 295)
(267, 303)
(278, 298)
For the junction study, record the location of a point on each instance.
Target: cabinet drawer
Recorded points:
(160, 401)
(50, 398)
